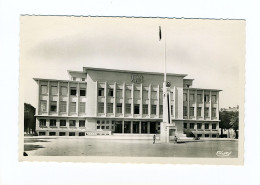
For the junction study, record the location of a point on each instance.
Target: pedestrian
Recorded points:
(154, 137)
(175, 139)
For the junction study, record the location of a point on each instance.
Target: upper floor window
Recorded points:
(110, 92)
(100, 107)
(185, 113)
(154, 95)
(206, 98)
(74, 78)
(145, 94)
(53, 106)
(82, 107)
(119, 107)
(82, 92)
(128, 108)
(64, 90)
(43, 105)
(42, 122)
(63, 106)
(153, 109)
(199, 97)
(119, 93)
(185, 97)
(191, 125)
(199, 125)
(206, 126)
(214, 112)
(73, 107)
(137, 109)
(83, 79)
(81, 123)
(72, 123)
(191, 97)
(54, 90)
(161, 94)
(185, 125)
(198, 111)
(136, 94)
(109, 107)
(214, 126)
(172, 110)
(161, 109)
(145, 108)
(128, 93)
(62, 123)
(73, 91)
(206, 112)
(191, 111)
(214, 98)
(101, 92)
(44, 89)
(52, 122)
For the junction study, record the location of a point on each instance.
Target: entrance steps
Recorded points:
(134, 136)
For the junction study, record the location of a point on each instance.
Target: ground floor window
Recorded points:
(42, 133)
(71, 133)
(81, 123)
(62, 134)
(214, 135)
(62, 123)
(52, 134)
(135, 127)
(127, 127)
(53, 122)
(42, 122)
(72, 123)
(206, 135)
(118, 127)
(81, 133)
(185, 125)
(199, 135)
(144, 128)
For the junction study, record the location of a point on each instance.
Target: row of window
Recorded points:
(200, 135)
(128, 108)
(199, 111)
(199, 126)
(63, 123)
(63, 90)
(75, 79)
(62, 133)
(199, 98)
(128, 94)
(63, 106)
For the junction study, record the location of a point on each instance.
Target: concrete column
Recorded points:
(132, 94)
(123, 104)
(77, 102)
(39, 94)
(203, 107)
(141, 100)
(196, 104)
(105, 103)
(140, 127)
(210, 106)
(114, 108)
(123, 127)
(58, 101)
(188, 107)
(148, 127)
(158, 102)
(68, 95)
(48, 103)
(131, 127)
(149, 101)
(217, 111)
(96, 98)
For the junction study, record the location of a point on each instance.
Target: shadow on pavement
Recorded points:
(32, 147)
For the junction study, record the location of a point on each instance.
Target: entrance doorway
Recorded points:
(153, 127)
(135, 127)
(144, 128)
(118, 127)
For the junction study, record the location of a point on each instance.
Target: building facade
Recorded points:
(99, 101)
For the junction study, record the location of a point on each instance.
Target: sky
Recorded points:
(212, 52)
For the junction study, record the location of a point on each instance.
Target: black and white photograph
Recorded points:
(151, 89)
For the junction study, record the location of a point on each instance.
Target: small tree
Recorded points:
(235, 122)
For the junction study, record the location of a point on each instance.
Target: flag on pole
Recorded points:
(160, 33)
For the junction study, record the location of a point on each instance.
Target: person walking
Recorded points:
(154, 137)
(175, 139)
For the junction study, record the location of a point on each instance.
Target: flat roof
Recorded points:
(192, 88)
(56, 80)
(128, 71)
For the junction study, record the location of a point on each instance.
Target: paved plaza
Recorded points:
(130, 148)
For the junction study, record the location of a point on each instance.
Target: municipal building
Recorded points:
(99, 101)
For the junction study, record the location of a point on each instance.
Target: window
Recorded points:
(206, 98)
(185, 111)
(98, 122)
(102, 127)
(72, 123)
(82, 92)
(53, 106)
(145, 94)
(81, 123)
(103, 122)
(145, 108)
(100, 107)
(107, 127)
(81, 133)
(206, 112)
(44, 89)
(161, 109)
(191, 97)
(213, 98)
(82, 107)
(185, 97)
(172, 109)
(43, 105)
(214, 135)
(74, 78)
(73, 107)
(119, 93)
(107, 122)
(52, 134)
(191, 111)
(191, 125)
(119, 108)
(199, 125)
(161, 95)
(83, 79)
(54, 90)
(128, 93)
(185, 125)
(64, 90)
(63, 106)
(206, 135)
(42, 122)
(110, 92)
(198, 111)
(172, 98)
(42, 133)
(53, 122)
(109, 107)
(213, 112)
(206, 126)
(62, 123)
(154, 95)
(71, 133)
(98, 127)
(136, 94)
(101, 92)
(214, 126)
(153, 109)
(199, 98)
(136, 109)
(62, 133)
(73, 91)
(128, 108)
